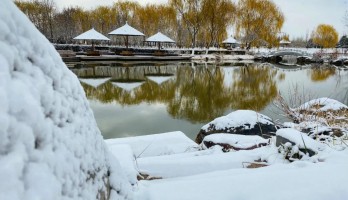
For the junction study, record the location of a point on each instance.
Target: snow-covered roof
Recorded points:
(159, 37)
(284, 42)
(91, 35)
(230, 40)
(126, 30)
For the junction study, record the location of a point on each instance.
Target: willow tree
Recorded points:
(258, 22)
(41, 13)
(153, 18)
(103, 19)
(218, 15)
(125, 12)
(191, 13)
(325, 36)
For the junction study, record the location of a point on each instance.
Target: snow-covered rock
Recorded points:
(50, 145)
(234, 141)
(244, 122)
(296, 142)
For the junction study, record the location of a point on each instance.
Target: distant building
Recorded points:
(343, 43)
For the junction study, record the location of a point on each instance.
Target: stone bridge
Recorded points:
(289, 52)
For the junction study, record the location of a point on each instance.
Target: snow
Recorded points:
(239, 141)
(50, 145)
(299, 180)
(239, 118)
(159, 37)
(94, 82)
(160, 79)
(127, 86)
(91, 35)
(284, 42)
(300, 139)
(230, 40)
(126, 30)
(126, 160)
(325, 104)
(211, 174)
(170, 166)
(156, 144)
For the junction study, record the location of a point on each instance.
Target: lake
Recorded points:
(131, 99)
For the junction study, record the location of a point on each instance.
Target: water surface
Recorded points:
(130, 99)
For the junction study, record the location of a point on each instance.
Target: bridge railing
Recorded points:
(290, 51)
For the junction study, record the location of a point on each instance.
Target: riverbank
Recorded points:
(232, 163)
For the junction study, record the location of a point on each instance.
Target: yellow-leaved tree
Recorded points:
(218, 16)
(325, 36)
(258, 22)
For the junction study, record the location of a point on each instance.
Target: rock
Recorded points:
(234, 142)
(317, 130)
(50, 145)
(294, 144)
(242, 122)
(303, 60)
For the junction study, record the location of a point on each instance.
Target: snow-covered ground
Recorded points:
(211, 174)
(51, 147)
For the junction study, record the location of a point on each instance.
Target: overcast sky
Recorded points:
(301, 16)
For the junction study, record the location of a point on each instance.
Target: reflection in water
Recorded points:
(254, 87)
(321, 73)
(198, 93)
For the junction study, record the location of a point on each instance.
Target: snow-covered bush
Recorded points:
(50, 145)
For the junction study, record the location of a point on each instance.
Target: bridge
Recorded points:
(289, 52)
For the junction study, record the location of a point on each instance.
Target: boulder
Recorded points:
(294, 144)
(242, 122)
(50, 145)
(233, 142)
(317, 130)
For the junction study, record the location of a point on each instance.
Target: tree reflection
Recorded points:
(200, 94)
(321, 73)
(197, 94)
(254, 87)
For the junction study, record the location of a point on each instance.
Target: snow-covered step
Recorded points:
(157, 144)
(176, 166)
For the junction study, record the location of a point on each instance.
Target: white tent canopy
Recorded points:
(126, 30)
(230, 40)
(91, 35)
(284, 42)
(159, 37)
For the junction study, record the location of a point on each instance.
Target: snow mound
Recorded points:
(50, 145)
(239, 118)
(126, 159)
(322, 104)
(156, 144)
